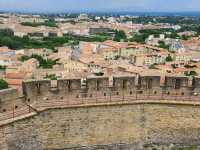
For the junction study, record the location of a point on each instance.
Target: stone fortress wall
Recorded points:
(104, 88)
(125, 112)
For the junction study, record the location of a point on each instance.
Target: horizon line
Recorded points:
(138, 13)
(93, 11)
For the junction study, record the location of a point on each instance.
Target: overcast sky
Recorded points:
(99, 5)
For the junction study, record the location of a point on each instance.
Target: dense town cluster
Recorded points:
(67, 46)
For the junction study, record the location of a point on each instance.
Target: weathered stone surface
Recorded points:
(105, 127)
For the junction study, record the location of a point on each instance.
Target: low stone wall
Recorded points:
(130, 126)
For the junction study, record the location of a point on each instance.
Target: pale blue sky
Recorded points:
(99, 5)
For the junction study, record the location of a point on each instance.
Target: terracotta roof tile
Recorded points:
(14, 81)
(15, 75)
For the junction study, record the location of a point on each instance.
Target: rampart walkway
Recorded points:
(33, 109)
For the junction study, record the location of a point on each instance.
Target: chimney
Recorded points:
(109, 71)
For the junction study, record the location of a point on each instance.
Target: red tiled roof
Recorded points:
(17, 82)
(15, 75)
(4, 48)
(179, 70)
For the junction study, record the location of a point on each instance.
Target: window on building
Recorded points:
(177, 83)
(124, 84)
(98, 84)
(149, 83)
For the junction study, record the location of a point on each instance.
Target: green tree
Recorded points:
(139, 38)
(6, 32)
(43, 63)
(152, 66)
(185, 37)
(24, 58)
(49, 23)
(163, 45)
(120, 35)
(169, 58)
(51, 77)
(2, 67)
(3, 84)
(191, 73)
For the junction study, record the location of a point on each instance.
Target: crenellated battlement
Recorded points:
(94, 90)
(66, 87)
(97, 88)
